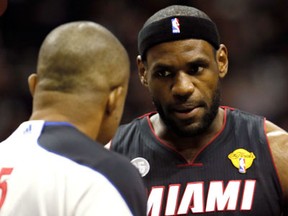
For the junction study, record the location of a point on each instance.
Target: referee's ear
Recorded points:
(32, 81)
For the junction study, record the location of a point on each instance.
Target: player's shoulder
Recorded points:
(237, 112)
(136, 121)
(135, 124)
(278, 142)
(239, 115)
(129, 132)
(276, 135)
(272, 127)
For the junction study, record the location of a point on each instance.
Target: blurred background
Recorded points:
(255, 32)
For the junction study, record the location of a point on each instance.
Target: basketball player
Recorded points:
(51, 165)
(195, 156)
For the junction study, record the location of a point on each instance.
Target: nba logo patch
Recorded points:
(242, 159)
(175, 25)
(242, 165)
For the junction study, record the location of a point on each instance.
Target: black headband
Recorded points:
(177, 28)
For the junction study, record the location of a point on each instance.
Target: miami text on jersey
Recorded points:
(219, 197)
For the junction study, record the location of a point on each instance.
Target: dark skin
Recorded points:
(183, 79)
(88, 57)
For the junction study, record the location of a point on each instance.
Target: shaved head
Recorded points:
(81, 56)
(82, 78)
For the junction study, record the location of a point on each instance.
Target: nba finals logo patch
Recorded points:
(241, 159)
(175, 25)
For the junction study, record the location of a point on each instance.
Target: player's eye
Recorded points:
(163, 73)
(195, 69)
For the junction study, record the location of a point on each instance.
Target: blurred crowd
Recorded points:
(255, 32)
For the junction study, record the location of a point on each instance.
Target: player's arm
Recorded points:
(278, 139)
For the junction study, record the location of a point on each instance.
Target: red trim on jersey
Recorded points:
(227, 107)
(190, 164)
(201, 150)
(216, 135)
(146, 114)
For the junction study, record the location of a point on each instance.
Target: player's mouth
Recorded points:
(187, 112)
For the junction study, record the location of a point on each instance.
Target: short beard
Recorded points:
(204, 124)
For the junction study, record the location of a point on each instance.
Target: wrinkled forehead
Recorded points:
(181, 50)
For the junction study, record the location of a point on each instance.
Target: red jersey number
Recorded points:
(3, 184)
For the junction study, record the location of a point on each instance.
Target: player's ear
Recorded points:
(142, 72)
(222, 60)
(115, 97)
(32, 81)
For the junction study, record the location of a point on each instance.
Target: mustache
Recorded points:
(186, 106)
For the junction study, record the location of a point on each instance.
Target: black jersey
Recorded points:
(233, 174)
(51, 168)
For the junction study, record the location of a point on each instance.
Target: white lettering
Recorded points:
(248, 194)
(154, 203)
(194, 190)
(221, 200)
(173, 194)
